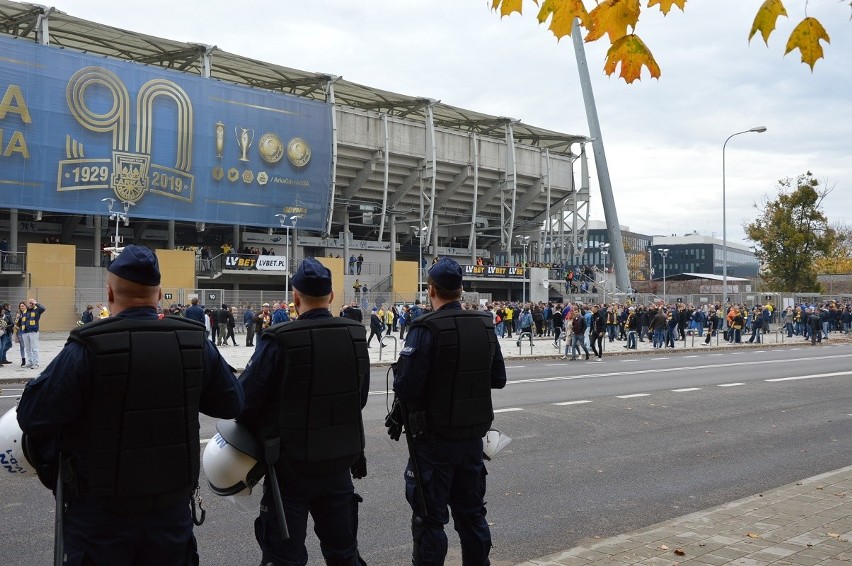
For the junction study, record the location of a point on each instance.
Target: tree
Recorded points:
(839, 259)
(791, 233)
(612, 18)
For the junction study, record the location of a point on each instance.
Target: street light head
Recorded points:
(758, 129)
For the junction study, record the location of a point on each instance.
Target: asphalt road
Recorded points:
(599, 449)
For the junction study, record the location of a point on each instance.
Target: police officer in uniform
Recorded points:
(120, 405)
(442, 382)
(305, 387)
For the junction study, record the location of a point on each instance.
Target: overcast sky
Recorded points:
(663, 138)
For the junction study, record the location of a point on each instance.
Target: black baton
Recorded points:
(415, 467)
(271, 449)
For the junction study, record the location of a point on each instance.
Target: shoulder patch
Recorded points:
(407, 351)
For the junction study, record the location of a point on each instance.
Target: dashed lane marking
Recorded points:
(515, 367)
(509, 410)
(632, 395)
(686, 390)
(9, 396)
(655, 359)
(730, 384)
(573, 402)
(813, 376)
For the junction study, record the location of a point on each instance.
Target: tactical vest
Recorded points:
(319, 406)
(459, 388)
(141, 421)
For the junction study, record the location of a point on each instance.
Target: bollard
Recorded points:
(521, 342)
(382, 346)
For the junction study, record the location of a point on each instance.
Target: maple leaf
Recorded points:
(805, 38)
(632, 53)
(613, 17)
(507, 7)
(666, 5)
(562, 14)
(764, 21)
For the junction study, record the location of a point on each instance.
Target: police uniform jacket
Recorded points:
(61, 400)
(413, 379)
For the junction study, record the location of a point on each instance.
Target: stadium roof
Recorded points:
(20, 19)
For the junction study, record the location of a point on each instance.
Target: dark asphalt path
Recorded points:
(599, 449)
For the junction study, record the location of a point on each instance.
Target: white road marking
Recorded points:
(813, 376)
(655, 359)
(686, 389)
(628, 361)
(573, 402)
(515, 367)
(380, 392)
(669, 370)
(9, 396)
(631, 396)
(509, 410)
(694, 356)
(730, 384)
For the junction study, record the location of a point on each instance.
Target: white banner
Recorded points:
(271, 263)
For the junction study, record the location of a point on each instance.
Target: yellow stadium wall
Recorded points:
(335, 265)
(405, 280)
(177, 268)
(51, 280)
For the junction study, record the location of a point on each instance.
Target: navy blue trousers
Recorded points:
(453, 475)
(96, 537)
(333, 504)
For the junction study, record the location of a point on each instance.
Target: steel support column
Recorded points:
(386, 159)
(509, 190)
(329, 98)
(474, 145)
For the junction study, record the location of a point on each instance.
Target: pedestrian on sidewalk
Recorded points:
(632, 325)
(526, 324)
(578, 334)
(19, 327)
(597, 331)
(29, 329)
(712, 325)
(377, 326)
(7, 326)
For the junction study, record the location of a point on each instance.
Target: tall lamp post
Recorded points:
(119, 217)
(420, 232)
(523, 241)
(757, 130)
(664, 252)
(282, 221)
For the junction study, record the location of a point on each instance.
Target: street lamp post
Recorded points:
(757, 130)
(282, 221)
(420, 232)
(119, 217)
(524, 241)
(664, 252)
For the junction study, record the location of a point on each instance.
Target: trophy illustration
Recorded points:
(220, 139)
(244, 138)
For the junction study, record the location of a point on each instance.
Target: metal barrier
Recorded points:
(382, 345)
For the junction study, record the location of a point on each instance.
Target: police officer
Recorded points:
(442, 382)
(305, 387)
(121, 401)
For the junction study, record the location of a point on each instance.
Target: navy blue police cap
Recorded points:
(137, 264)
(447, 273)
(312, 278)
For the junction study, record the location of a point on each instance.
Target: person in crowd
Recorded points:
(262, 321)
(92, 413)
(248, 321)
(7, 328)
(30, 332)
(377, 326)
(87, 316)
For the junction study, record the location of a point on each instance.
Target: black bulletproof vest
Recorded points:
(459, 387)
(319, 407)
(141, 417)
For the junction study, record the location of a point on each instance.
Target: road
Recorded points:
(599, 449)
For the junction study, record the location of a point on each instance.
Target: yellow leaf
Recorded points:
(666, 5)
(805, 38)
(766, 17)
(613, 17)
(632, 53)
(562, 14)
(507, 7)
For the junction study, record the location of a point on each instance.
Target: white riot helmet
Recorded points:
(13, 461)
(232, 460)
(493, 442)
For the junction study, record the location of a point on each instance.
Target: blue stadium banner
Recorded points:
(76, 129)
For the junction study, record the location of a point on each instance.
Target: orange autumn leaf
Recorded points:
(562, 14)
(613, 17)
(666, 5)
(805, 38)
(632, 53)
(766, 17)
(507, 7)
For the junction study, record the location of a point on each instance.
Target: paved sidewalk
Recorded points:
(802, 524)
(51, 343)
